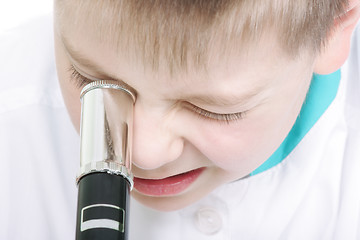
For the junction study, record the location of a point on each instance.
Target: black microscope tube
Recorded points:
(103, 207)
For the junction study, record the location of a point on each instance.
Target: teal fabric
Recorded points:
(322, 91)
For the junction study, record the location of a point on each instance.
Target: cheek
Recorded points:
(240, 148)
(69, 91)
(245, 145)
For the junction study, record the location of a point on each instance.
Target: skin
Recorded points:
(169, 137)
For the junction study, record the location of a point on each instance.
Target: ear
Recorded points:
(336, 51)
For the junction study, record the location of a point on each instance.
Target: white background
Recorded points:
(16, 12)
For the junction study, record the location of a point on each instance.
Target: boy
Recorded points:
(235, 132)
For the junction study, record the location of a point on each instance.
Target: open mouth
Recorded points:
(167, 186)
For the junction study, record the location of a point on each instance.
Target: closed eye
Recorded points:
(219, 117)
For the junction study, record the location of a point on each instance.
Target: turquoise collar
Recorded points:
(322, 92)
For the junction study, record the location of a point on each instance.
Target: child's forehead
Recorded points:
(267, 54)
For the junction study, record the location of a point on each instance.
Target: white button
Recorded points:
(208, 220)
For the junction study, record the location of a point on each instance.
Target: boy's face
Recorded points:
(179, 121)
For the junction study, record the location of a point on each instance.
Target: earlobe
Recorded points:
(336, 51)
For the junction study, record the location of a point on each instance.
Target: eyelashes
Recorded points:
(80, 81)
(218, 117)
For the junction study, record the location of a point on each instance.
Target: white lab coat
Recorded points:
(312, 194)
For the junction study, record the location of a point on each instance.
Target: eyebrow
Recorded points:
(229, 100)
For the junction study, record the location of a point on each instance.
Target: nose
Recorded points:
(155, 142)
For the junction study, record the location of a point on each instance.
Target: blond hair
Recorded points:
(183, 32)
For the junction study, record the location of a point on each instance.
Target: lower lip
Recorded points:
(167, 186)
